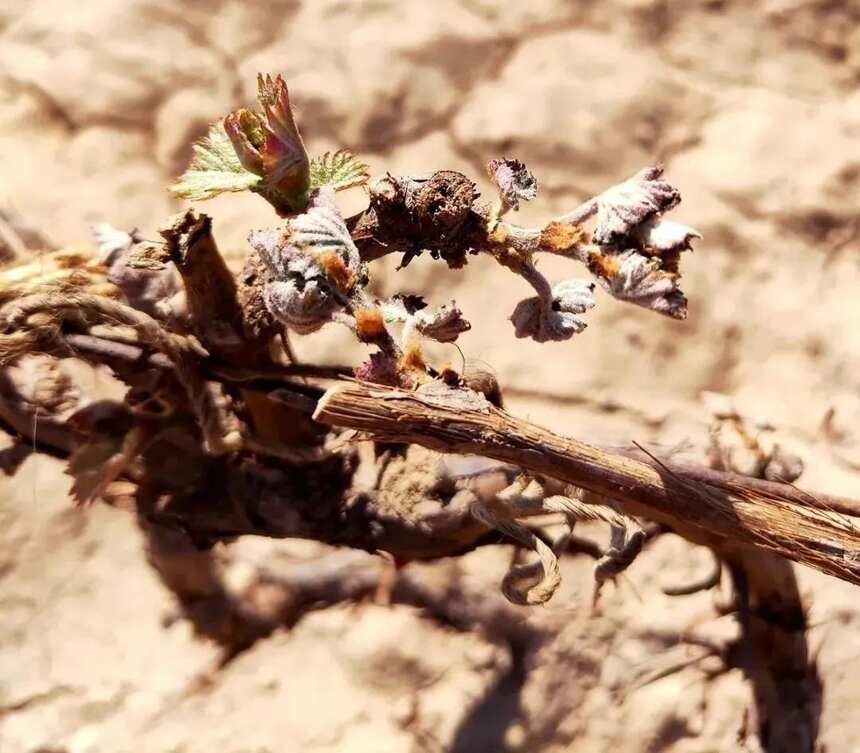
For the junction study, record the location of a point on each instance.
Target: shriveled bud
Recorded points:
(443, 324)
(380, 368)
(557, 320)
(514, 181)
(623, 207)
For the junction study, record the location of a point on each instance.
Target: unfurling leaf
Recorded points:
(285, 162)
(214, 169)
(261, 152)
(514, 181)
(338, 170)
(623, 207)
(322, 233)
(246, 131)
(557, 319)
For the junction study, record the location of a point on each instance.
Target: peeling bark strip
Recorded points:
(712, 507)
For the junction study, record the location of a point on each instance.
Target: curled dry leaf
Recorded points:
(643, 280)
(514, 181)
(623, 207)
(148, 287)
(554, 320)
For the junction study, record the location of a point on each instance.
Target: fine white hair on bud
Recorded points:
(313, 262)
(304, 304)
(665, 236)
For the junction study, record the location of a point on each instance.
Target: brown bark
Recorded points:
(703, 505)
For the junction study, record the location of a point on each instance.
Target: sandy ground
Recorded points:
(755, 109)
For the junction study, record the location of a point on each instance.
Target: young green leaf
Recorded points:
(214, 169)
(339, 170)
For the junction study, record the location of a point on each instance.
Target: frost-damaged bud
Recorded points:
(314, 264)
(443, 324)
(514, 181)
(642, 280)
(557, 319)
(272, 147)
(638, 261)
(379, 368)
(622, 208)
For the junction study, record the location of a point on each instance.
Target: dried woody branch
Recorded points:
(704, 505)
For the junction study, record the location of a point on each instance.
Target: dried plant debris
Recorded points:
(536, 583)
(744, 446)
(146, 285)
(514, 182)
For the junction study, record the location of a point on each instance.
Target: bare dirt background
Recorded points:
(755, 109)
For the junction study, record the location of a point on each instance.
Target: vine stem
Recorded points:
(705, 506)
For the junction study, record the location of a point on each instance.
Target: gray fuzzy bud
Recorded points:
(556, 320)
